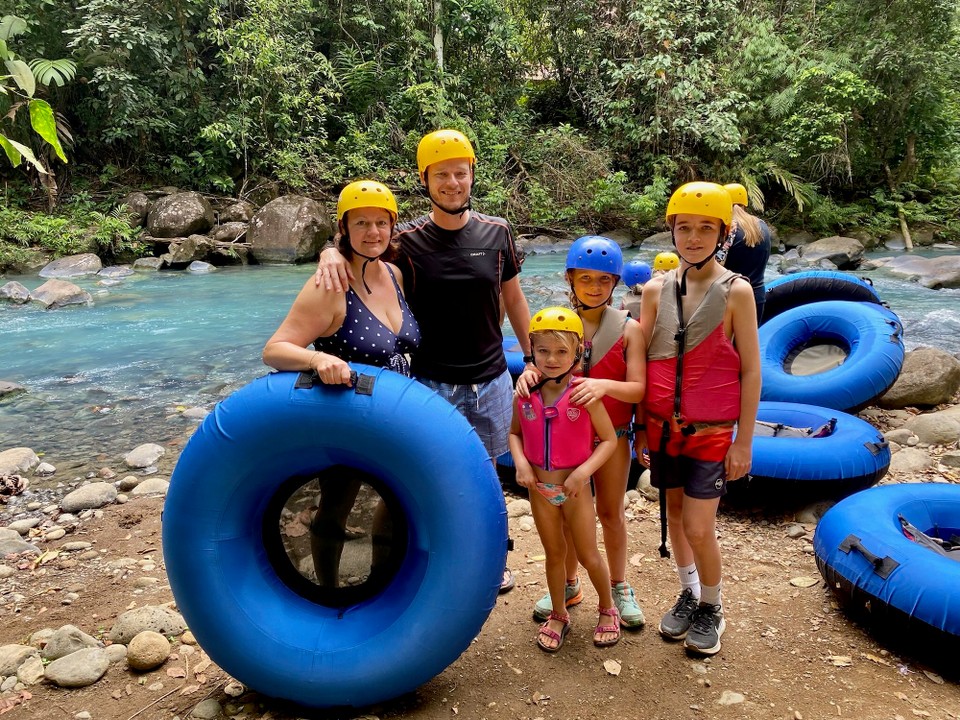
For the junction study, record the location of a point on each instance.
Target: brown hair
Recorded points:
(572, 296)
(749, 224)
(342, 241)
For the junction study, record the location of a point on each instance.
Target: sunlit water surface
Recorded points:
(103, 379)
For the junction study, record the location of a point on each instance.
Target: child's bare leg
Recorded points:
(549, 521)
(578, 513)
(611, 485)
(699, 523)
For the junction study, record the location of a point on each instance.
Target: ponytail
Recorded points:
(749, 224)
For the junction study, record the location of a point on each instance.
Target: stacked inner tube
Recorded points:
(241, 595)
(905, 591)
(838, 321)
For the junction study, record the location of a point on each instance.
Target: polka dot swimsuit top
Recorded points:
(363, 338)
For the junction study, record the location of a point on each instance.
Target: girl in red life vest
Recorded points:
(552, 440)
(703, 380)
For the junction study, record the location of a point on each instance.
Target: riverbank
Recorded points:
(789, 651)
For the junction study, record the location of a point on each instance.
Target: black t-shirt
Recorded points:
(452, 281)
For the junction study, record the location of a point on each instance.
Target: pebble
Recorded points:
(77, 545)
(729, 697)
(6, 571)
(25, 525)
(54, 533)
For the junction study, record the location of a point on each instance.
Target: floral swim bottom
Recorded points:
(554, 494)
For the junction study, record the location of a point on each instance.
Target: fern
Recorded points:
(53, 72)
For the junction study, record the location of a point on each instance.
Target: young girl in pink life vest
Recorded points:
(557, 444)
(612, 370)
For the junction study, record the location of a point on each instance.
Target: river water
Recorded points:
(103, 379)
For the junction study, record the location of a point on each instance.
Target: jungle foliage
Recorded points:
(585, 114)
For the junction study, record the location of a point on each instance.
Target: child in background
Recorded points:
(665, 262)
(703, 379)
(552, 441)
(636, 274)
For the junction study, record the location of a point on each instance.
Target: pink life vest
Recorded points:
(555, 437)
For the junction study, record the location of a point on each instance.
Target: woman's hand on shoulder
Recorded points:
(587, 390)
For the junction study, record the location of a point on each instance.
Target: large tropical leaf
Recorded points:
(43, 121)
(17, 152)
(53, 72)
(11, 25)
(22, 75)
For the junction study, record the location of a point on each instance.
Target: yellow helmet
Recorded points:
(666, 261)
(557, 318)
(738, 193)
(701, 198)
(366, 193)
(443, 145)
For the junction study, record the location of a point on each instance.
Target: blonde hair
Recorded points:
(749, 224)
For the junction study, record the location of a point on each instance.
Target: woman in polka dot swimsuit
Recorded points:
(371, 322)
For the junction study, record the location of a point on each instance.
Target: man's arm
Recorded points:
(517, 311)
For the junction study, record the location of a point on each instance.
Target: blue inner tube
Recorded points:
(850, 456)
(870, 335)
(810, 286)
(514, 355)
(905, 591)
(234, 592)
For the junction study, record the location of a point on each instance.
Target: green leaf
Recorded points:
(22, 75)
(11, 25)
(15, 151)
(53, 72)
(44, 122)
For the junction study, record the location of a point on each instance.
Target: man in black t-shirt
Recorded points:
(457, 264)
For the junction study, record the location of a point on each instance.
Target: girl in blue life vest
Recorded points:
(554, 446)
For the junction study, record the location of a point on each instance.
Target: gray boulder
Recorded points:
(934, 273)
(935, 428)
(9, 389)
(144, 455)
(18, 460)
(658, 241)
(184, 251)
(797, 238)
(65, 640)
(138, 205)
(289, 229)
(929, 377)
(78, 669)
(240, 212)
(55, 294)
(14, 292)
(844, 252)
(90, 496)
(149, 617)
(72, 266)
(116, 271)
(13, 656)
(229, 232)
(180, 215)
(147, 264)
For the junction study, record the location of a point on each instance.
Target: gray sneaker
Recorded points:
(572, 595)
(674, 625)
(631, 616)
(706, 627)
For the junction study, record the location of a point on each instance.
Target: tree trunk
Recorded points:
(438, 34)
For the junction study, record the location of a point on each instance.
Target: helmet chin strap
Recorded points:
(583, 306)
(561, 376)
(460, 211)
(367, 259)
(699, 265)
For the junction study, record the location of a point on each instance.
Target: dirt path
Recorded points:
(789, 652)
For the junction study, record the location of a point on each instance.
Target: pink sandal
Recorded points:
(547, 631)
(602, 629)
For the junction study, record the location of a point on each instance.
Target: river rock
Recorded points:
(31, 672)
(929, 377)
(55, 294)
(116, 271)
(208, 709)
(200, 267)
(14, 292)
(935, 273)
(518, 508)
(147, 264)
(9, 389)
(844, 252)
(935, 428)
(65, 640)
(180, 215)
(910, 461)
(238, 212)
(147, 650)
(13, 656)
(289, 229)
(18, 460)
(94, 495)
(659, 241)
(901, 436)
(229, 232)
(78, 669)
(138, 205)
(149, 617)
(150, 486)
(45, 468)
(144, 455)
(184, 251)
(72, 266)
(24, 525)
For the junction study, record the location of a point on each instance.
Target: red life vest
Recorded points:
(555, 437)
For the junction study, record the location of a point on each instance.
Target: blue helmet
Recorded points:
(595, 252)
(636, 272)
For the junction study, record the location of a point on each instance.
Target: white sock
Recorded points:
(710, 594)
(689, 579)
